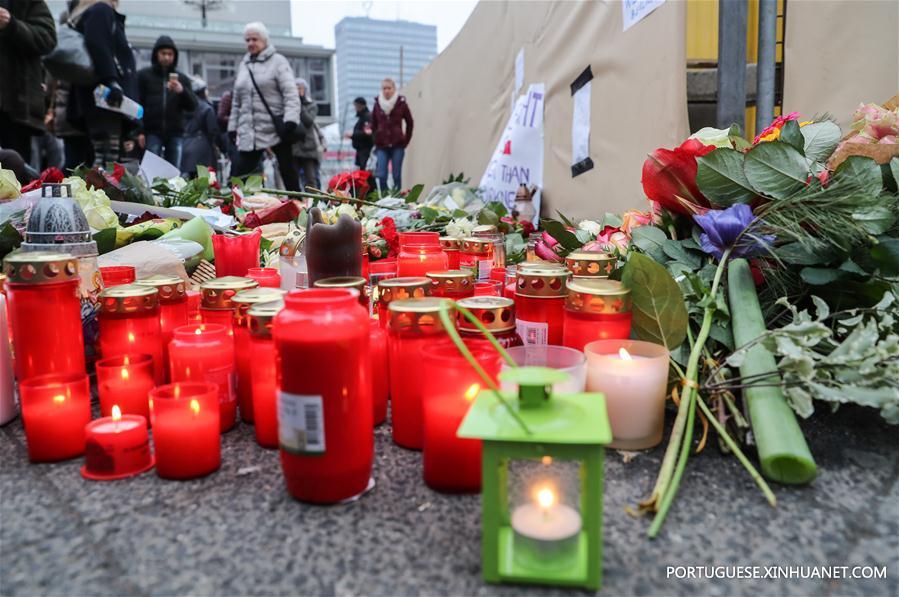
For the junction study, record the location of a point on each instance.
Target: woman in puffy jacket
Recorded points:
(388, 116)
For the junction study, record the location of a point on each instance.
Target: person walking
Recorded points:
(390, 112)
(103, 28)
(362, 137)
(166, 96)
(27, 31)
(264, 90)
(308, 152)
(201, 134)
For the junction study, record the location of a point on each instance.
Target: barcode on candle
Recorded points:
(301, 423)
(484, 267)
(533, 333)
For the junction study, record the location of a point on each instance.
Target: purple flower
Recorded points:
(722, 228)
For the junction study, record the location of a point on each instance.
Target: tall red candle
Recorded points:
(395, 289)
(324, 403)
(454, 284)
(116, 447)
(205, 353)
(264, 374)
(235, 254)
(452, 247)
(44, 313)
(186, 430)
(194, 299)
(267, 277)
(380, 373)
(477, 256)
(596, 309)
(420, 253)
(173, 307)
(217, 306)
(125, 381)
(55, 409)
(540, 304)
(129, 323)
(414, 323)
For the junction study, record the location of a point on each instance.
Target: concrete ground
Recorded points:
(237, 531)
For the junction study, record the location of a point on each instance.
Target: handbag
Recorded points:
(297, 135)
(70, 60)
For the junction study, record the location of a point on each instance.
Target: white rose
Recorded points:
(454, 230)
(713, 136)
(590, 226)
(346, 209)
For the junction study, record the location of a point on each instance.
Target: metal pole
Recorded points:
(401, 66)
(731, 62)
(764, 97)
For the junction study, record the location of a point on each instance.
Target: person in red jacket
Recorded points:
(391, 111)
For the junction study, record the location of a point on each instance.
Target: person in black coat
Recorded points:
(362, 137)
(104, 37)
(165, 93)
(201, 135)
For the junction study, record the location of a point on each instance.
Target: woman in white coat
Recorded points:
(250, 125)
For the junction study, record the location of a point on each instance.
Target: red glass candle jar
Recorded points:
(420, 253)
(129, 324)
(55, 409)
(496, 313)
(116, 447)
(44, 313)
(498, 274)
(488, 288)
(452, 464)
(454, 284)
(216, 306)
(125, 381)
(236, 254)
(173, 308)
(590, 264)
(380, 270)
(596, 309)
(117, 275)
(540, 304)
(324, 404)
(240, 327)
(264, 374)
(396, 289)
(414, 323)
(205, 353)
(357, 283)
(477, 256)
(365, 263)
(380, 373)
(194, 299)
(491, 233)
(452, 248)
(186, 429)
(266, 277)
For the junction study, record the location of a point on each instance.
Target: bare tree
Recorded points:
(205, 7)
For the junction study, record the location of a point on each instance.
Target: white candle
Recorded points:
(546, 533)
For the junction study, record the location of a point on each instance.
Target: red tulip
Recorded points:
(669, 177)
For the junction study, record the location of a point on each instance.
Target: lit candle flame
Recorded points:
(195, 406)
(547, 460)
(116, 413)
(624, 354)
(130, 337)
(546, 498)
(125, 374)
(472, 391)
(178, 390)
(126, 360)
(59, 399)
(198, 331)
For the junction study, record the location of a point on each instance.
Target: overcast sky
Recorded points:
(314, 20)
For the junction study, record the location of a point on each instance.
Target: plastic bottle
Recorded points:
(128, 107)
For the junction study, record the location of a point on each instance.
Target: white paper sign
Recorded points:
(580, 125)
(636, 10)
(152, 166)
(518, 157)
(519, 71)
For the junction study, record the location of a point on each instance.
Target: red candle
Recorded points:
(116, 447)
(414, 323)
(129, 324)
(125, 381)
(264, 374)
(596, 309)
(450, 463)
(488, 288)
(454, 284)
(267, 277)
(324, 403)
(540, 305)
(377, 271)
(495, 313)
(173, 307)
(236, 254)
(186, 429)
(217, 306)
(393, 289)
(242, 302)
(420, 253)
(452, 249)
(117, 275)
(55, 409)
(477, 255)
(380, 373)
(193, 306)
(205, 353)
(590, 264)
(357, 283)
(44, 313)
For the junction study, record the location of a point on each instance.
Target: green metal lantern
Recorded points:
(541, 480)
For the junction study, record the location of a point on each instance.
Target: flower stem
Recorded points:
(326, 197)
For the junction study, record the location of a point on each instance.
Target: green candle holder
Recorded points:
(545, 543)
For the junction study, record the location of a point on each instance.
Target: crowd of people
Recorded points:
(269, 110)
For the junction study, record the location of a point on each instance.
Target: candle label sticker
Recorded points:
(301, 423)
(484, 267)
(533, 333)
(226, 378)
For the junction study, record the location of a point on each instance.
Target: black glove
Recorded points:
(115, 95)
(290, 127)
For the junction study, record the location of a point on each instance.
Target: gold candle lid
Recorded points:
(477, 246)
(450, 243)
(172, 289)
(598, 295)
(586, 264)
(421, 314)
(394, 289)
(497, 313)
(483, 229)
(40, 267)
(245, 299)
(129, 299)
(453, 281)
(261, 316)
(217, 293)
(546, 282)
(356, 282)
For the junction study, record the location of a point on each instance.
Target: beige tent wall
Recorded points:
(839, 54)
(462, 100)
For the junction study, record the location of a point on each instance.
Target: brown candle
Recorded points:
(333, 249)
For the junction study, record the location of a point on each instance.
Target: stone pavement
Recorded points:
(237, 532)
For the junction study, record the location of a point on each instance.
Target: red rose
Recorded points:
(669, 177)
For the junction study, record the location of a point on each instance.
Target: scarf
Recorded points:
(387, 104)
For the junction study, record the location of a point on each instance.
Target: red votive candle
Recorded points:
(496, 313)
(380, 373)
(186, 429)
(125, 381)
(477, 256)
(44, 314)
(420, 253)
(116, 447)
(450, 463)
(194, 299)
(414, 323)
(540, 305)
(453, 284)
(173, 308)
(217, 306)
(236, 254)
(488, 288)
(394, 289)
(357, 283)
(267, 277)
(129, 324)
(264, 374)
(55, 409)
(117, 275)
(324, 403)
(205, 353)
(452, 248)
(596, 309)
(590, 264)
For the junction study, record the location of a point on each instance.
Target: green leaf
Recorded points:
(650, 240)
(860, 170)
(720, 177)
(610, 219)
(675, 250)
(775, 169)
(659, 310)
(428, 214)
(414, 193)
(790, 134)
(821, 139)
(810, 253)
(105, 240)
(565, 220)
(565, 237)
(487, 217)
(819, 276)
(875, 219)
(886, 254)
(10, 239)
(894, 172)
